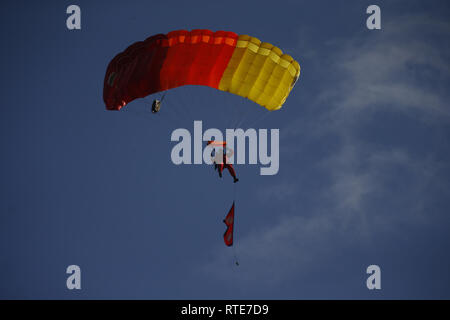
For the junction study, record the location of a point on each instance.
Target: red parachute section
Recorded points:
(162, 62)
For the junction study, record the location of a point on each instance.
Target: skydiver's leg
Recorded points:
(232, 172)
(220, 165)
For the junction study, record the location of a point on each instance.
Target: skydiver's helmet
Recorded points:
(156, 106)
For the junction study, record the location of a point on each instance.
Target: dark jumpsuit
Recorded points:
(229, 166)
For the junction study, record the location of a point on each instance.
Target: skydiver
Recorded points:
(220, 165)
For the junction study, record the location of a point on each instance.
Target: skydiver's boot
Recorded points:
(232, 172)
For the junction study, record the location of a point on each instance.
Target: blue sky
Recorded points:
(364, 158)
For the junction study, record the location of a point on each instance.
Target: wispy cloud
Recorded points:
(403, 69)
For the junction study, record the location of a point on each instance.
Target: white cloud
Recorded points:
(400, 69)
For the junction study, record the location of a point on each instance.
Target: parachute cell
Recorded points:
(241, 65)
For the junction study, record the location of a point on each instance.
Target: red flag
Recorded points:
(229, 221)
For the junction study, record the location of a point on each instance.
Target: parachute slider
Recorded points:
(216, 143)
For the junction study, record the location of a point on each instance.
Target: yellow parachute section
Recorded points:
(260, 72)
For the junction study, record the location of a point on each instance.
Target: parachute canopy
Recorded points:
(241, 65)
